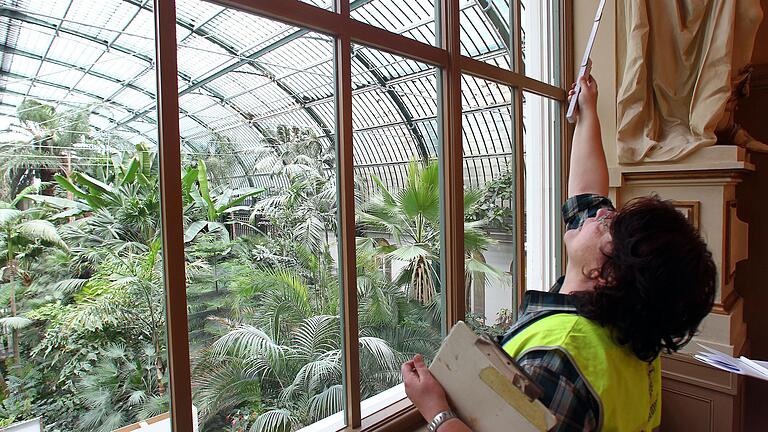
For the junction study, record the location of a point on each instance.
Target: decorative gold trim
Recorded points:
(727, 239)
(689, 209)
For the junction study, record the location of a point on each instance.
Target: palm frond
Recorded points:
(316, 336)
(14, 323)
(248, 341)
(41, 229)
(277, 420)
(327, 403)
(8, 215)
(380, 350)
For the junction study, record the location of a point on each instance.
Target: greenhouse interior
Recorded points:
(314, 160)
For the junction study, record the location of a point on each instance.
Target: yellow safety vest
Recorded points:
(627, 388)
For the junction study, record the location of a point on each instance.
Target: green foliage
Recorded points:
(264, 310)
(495, 205)
(411, 217)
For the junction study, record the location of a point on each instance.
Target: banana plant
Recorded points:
(214, 203)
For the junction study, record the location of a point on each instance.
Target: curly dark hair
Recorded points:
(659, 279)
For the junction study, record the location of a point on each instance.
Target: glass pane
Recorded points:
(398, 209)
(82, 338)
(485, 31)
(489, 196)
(543, 174)
(411, 18)
(259, 172)
(540, 21)
(322, 4)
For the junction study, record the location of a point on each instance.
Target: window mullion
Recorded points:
(451, 169)
(172, 226)
(518, 224)
(346, 215)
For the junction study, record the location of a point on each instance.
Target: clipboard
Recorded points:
(486, 388)
(585, 67)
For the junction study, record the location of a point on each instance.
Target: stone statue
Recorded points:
(682, 66)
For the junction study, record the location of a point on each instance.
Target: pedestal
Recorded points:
(703, 187)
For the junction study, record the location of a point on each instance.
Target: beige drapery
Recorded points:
(677, 63)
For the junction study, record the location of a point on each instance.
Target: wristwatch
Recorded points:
(439, 419)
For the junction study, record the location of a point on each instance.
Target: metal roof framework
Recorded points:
(242, 75)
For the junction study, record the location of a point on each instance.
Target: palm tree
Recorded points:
(49, 149)
(119, 389)
(21, 231)
(277, 366)
(411, 217)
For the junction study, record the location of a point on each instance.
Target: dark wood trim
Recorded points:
(452, 173)
(347, 254)
(759, 79)
(398, 417)
(171, 210)
(519, 137)
(566, 129)
(490, 72)
(307, 16)
(670, 174)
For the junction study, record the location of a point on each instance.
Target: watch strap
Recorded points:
(439, 419)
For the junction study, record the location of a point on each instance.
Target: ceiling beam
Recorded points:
(110, 119)
(418, 138)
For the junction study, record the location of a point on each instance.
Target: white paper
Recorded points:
(741, 366)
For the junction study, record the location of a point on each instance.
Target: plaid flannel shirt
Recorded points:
(566, 393)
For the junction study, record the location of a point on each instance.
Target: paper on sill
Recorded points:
(741, 365)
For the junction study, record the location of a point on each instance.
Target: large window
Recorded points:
(246, 214)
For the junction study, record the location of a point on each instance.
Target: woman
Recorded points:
(637, 281)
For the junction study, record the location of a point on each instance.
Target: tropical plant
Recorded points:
(49, 148)
(214, 204)
(279, 367)
(121, 303)
(495, 205)
(22, 234)
(411, 218)
(119, 388)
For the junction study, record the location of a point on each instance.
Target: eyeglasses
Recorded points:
(605, 220)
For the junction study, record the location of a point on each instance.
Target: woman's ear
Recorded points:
(593, 273)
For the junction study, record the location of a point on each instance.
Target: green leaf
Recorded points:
(146, 159)
(278, 420)
(220, 229)
(188, 180)
(205, 193)
(41, 229)
(193, 230)
(471, 197)
(56, 202)
(94, 185)
(473, 265)
(33, 111)
(246, 340)
(8, 215)
(71, 187)
(26, 191)
(245, 195)
(409, 253)
(327, 403)
(130, 173)
(14, 323)
(68, 213)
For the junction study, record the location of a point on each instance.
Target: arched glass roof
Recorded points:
(241, 75)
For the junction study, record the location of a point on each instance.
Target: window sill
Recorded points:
(387, 411)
